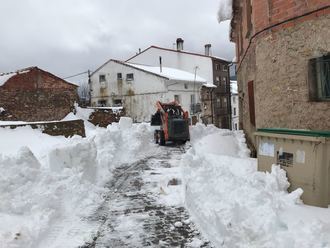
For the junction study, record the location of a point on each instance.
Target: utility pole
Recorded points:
(90, 88)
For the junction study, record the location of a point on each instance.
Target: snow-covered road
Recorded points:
(133, 213)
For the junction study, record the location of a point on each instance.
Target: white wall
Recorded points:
(234, 104)
(183, 61)
(146, 89)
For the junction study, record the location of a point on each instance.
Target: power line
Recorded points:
(78, 74)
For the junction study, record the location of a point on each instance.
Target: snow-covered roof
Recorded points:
(233, 87)
(4, 77)
(178, 51)
(170, 73)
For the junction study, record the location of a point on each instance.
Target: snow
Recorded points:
(50, 185)
(234, 205)
(2, 110)
(4, 77)
(225, 10)
(233, 87)
(170, 73)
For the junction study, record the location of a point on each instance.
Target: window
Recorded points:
(186, 86)
(130, 77)
(217, 80)
(234, 99)
(177, 98)
(224, 80)
(218, 102)
(119, 76)
(224, 102)
(234, 111)
(101, 78)
(192, 99)
(102, 103)
(217, 67)
(319, 78)
(225, 68)
(235, 126)
(118, 102)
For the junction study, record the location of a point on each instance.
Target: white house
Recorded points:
(137, 87)
(213, 69)
(234, 105)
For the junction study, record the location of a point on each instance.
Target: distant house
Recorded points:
(138, 87)
(33, 94)
(234, 105)
(216, 107)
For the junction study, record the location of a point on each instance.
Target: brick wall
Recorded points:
(267, 13)
(36, 96)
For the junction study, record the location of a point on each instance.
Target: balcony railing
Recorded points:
(195, 108)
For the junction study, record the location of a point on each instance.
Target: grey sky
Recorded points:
(69, 36)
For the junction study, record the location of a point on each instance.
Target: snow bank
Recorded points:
(237, 206)
(49, 186)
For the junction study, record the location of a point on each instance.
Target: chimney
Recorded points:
(160, 64)
(179, 44)
(208, 49)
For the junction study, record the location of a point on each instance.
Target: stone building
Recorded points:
(33, 94)
(282, 49)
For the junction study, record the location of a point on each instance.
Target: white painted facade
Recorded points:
(176, 59)
(139, 96)
(234, 105)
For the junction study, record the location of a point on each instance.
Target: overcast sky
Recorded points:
(69, 36)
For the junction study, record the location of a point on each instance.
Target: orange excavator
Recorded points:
(173, 122)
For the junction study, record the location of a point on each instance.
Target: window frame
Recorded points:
(315, 70)
(119, 76)
(129, 78)
(104, 78)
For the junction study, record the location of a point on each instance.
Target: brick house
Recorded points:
(33, 94)
(282, 49)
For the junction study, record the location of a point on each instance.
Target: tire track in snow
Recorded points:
(130, 216)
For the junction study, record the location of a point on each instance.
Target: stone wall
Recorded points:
(277, 62)
(104, 117)
(36, 96)
(61, 128)
(282, 85)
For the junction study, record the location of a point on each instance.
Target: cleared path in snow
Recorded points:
(132, 215)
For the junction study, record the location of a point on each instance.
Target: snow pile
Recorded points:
(237, 206)
(50, 186)
(225, 10)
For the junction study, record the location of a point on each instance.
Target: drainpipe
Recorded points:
(211, 94)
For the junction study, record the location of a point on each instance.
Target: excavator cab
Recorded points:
(173, 122)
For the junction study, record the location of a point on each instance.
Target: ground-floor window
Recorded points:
(319, 78)
(102, 103)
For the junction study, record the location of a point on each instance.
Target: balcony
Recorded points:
(195, 108)
(221, 111)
